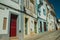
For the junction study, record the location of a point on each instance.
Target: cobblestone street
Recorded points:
(55, 35)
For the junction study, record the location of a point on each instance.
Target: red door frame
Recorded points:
(13, 25)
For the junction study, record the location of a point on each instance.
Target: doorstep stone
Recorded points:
(14, 38)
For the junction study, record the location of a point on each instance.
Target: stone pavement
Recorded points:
(54, 35)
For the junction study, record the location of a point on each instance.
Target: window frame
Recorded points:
(4, 23)
(44, 11)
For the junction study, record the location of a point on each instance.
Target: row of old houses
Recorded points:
(22, 18)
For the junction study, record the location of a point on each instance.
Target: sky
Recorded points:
(56, 4)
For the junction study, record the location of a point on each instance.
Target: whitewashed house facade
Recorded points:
(58, 23)
(41, 16)
(18, 19)
(51, 17)
(30, 16)
(11, 20)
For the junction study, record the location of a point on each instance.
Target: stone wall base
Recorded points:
(4, 37)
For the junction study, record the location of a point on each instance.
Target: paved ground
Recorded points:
(55, 35)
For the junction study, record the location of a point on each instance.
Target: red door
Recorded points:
(13, 24)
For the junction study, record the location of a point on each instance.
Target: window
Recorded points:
(26, 3)
(41, 2)
(46, 5)
(48, 9)
(40, 26)
(32, 1)
(31, 21)
(44, 12)
(39, 11)
(35, 27)
(4, 23)
(16, 1)
(26, 26)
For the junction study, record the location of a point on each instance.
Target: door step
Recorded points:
(14, 38)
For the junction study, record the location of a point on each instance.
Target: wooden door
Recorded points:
(35, 27)
(13, 25)
(56, 27)
(26, 26)
(40, 26)
(45, 26)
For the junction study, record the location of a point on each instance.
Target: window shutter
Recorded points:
(4, 23)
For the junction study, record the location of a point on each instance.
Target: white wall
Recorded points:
(42, 16)
(6, 13)
(32, 23)
(51, 19)
(10, 3)
(3, 13)
(42, 13)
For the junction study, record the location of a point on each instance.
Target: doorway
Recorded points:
(45, 26)
(13, 25)
(56, 27)
(40, 26)
(35, 27)
(26, 26)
